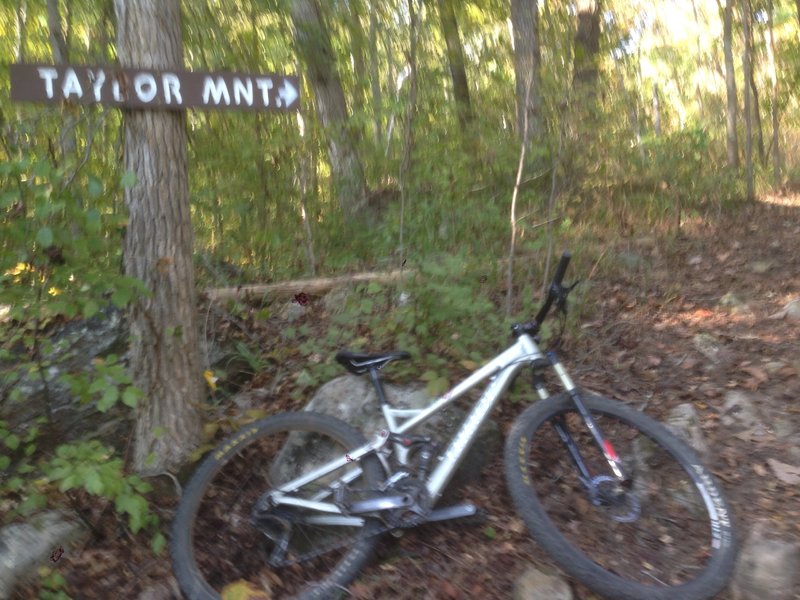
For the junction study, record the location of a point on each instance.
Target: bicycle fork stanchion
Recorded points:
(605, 446)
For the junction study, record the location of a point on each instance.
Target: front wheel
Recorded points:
(664, 535)
(287, 551)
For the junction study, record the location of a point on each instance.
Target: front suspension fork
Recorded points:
(560, 426)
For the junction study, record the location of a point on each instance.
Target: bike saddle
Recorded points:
(359, 363)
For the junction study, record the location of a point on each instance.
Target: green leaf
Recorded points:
(374, 287)
(5, 462)
(121, 297)
(130, 397)
(110, 396)
(93, 483)
(128, 179)
(45, 237)
(90, 309)
(12, 442)
(490, 533)
(158, 543)
(95, 187)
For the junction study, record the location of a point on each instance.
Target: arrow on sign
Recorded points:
(288, 94)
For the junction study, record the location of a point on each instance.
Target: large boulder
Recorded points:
(24, 546)
(767, 567)
(353, 400)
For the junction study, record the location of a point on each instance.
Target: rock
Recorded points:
(734, 303)
(25, 546)
(353, 399)
(792, 310)
(760, 266)
(767, 567)
(710, 347)
(684, 421)
(70, 349)
(537, 583)
(292, 311)
(739, 411)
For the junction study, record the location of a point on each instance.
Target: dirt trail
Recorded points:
(649, 340)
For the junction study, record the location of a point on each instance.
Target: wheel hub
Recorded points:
(622, 504)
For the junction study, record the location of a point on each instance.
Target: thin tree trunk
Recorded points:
(455, 60)
(22, 21)
(732, 116)
(748, 143)
(759, 131)
(773, 75)
(357, 50)
(527, 65)
(698, 61)
(411, 109)
(58, 45)
(314, 45)
(165, 360)
(656, 111)
(374, 74)
(587, 47)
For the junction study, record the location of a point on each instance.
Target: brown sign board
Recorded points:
(147, 88)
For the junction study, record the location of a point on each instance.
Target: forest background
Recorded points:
(466, 140)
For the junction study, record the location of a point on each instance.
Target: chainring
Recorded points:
(410, 516)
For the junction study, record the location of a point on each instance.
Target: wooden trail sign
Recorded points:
(148, 88)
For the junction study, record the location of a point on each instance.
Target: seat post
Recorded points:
(376, 381)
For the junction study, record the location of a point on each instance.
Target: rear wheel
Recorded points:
(216, 542)
(667, 535)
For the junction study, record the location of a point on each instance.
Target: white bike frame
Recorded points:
(500, 371)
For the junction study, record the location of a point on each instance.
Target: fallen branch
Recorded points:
(311, 287)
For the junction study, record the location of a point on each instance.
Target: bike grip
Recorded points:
(561, 269)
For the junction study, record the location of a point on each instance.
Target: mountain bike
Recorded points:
(295, 503)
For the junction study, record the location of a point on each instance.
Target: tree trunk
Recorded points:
(357, 53)
(759, 130)
(408, 133)
(59, 47)
(165, 360)
(374, 74)
(748, 142)
(773, 75)
(314, 46)
(656, 111)
(731, 136)
(587, 47)
(455, 59)
(527, 62)
(698, 61)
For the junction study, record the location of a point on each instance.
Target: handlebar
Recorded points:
(561, 269)
(555, 293)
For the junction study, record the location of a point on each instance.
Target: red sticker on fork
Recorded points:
(612, 454)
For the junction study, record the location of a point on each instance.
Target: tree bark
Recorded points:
(311, 287)
(731, 135)
(587, 47)
(748, 120)
(656, 111)
(773, 75)
(455, 59)
(58, 45)
(374, 74)
(165, 360)
(314, 46)
(527, 64)
(759, 132)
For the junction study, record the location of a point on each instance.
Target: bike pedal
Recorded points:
(457, 511)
